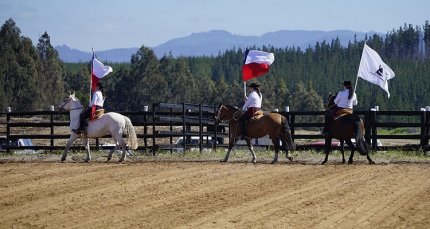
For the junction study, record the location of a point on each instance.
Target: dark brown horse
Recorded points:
(345, 128)
(272, 124)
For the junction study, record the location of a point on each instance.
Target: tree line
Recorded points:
(33, 77)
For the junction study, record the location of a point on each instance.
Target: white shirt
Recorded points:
(254, 100)
(98, 99)
(342, 100)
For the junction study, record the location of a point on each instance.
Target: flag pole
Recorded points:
(91, 74)
(356, 81)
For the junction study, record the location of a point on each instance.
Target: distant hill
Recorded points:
(217, 41)
(70, 55)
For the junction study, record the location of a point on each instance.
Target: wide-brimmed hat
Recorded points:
(253, 85)
(347, 83)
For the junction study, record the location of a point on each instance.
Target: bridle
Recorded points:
(62, 104)
(235, 116)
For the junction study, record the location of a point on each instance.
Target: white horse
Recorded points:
(110, 123)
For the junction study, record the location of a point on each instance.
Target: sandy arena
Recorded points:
(162, 194)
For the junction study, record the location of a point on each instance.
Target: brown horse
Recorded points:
(345, 128)
(273, 124)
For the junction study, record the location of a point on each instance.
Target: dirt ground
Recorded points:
(210, 194)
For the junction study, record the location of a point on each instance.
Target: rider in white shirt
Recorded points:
(345, 99)
(97, 100)
(252, 105)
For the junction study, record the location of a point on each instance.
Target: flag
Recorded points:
(98, 71)
(256, 63)
(374, 70)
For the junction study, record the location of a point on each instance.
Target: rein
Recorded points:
(77, 108)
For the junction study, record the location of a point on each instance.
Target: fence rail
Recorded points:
(168, 121)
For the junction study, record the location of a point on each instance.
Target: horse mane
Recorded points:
(231, 107)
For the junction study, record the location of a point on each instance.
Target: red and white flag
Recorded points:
(98, 71)
(256, 63)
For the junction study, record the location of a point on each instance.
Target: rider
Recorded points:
(97, 101)
(345, 99)
(252, 105)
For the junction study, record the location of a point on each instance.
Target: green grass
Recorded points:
(309, 156)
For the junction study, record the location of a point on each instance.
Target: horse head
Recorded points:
(69, 103)
(225, 113)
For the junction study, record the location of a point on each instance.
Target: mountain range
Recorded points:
(214, 42)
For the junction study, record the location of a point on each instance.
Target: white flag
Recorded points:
(373, 69)
(99, 69)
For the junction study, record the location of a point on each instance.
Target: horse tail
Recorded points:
(362, 147)
(129, 130)
(286, 132)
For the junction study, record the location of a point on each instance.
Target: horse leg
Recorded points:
(87, 147)
(69, 143)
(111, 152)
(123, 146)
(231, 143)
(285, 147)
(248, 143)
(275, 142)
(327, 148)
(369, 159)
(351, 145)
(342, 150)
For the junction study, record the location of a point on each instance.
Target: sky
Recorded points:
(108, 24)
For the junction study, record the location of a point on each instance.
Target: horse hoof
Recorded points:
(290, 158)
(223, 160)
(273, 162)
(322, 163)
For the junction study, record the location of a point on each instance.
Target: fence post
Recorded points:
(293, 119)
(374, 129)
(145, 127)
(201, 128)
(9, 110)
(153, 129)
(427, 137)
(423, 128)
(216, 130)
(52, 108)
(368, 125)
(171, 129)
(184, 127)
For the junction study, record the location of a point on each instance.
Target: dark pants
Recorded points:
(244, 118)
(84, 116)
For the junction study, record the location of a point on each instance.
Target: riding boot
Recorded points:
(81, 124)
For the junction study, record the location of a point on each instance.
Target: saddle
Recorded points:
(97, 114)
(342, 112)
(257, 115)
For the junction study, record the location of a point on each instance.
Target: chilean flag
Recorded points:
(256, 63)
(98, 71)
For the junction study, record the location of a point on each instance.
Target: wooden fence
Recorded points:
(162, 124)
